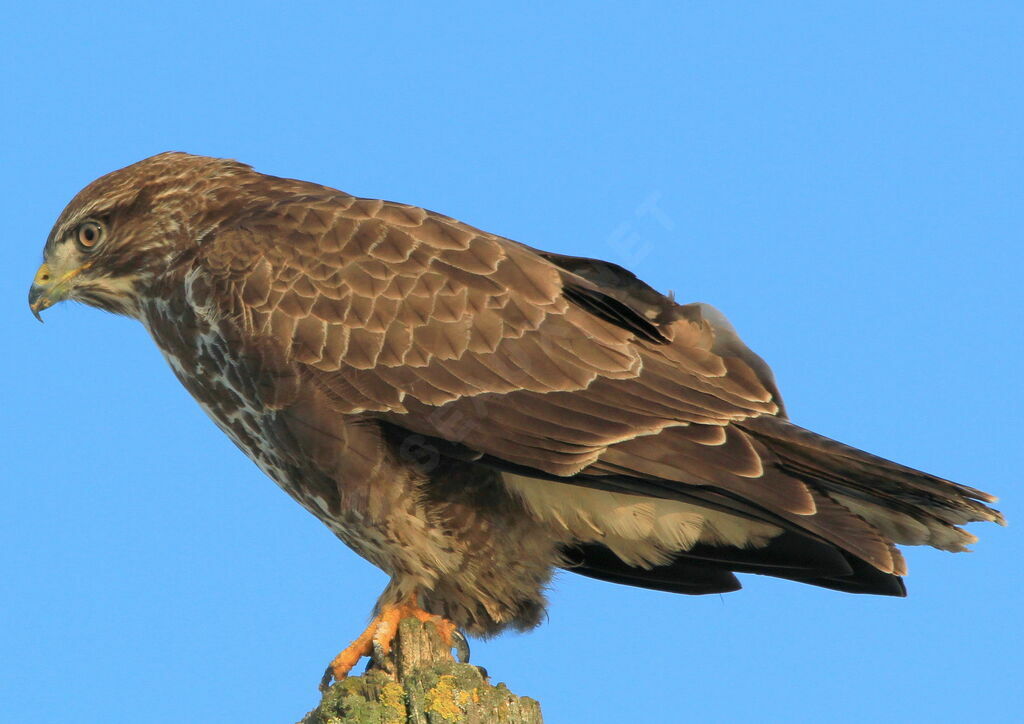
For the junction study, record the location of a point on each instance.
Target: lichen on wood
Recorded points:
(420, 683)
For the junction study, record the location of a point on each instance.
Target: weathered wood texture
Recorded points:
(419, 683)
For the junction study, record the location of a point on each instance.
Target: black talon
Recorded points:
(325, 682)
(461, 646)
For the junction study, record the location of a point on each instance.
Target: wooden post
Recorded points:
(419, 683)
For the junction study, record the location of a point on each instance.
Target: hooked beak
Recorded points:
(40, 295)
(47, 291)
(38, 301)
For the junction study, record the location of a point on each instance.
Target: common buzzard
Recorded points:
(469, 413)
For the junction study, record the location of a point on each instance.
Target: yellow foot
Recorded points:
(379, 635)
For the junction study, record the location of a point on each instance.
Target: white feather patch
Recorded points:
(902, 529)
(642, 531)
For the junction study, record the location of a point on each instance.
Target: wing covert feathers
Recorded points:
(644, 430)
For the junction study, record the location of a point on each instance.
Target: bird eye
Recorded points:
(88, 234)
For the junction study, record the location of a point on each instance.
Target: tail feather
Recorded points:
(905, 505)
(863, 506)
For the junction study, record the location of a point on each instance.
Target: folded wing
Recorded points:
(644, 429)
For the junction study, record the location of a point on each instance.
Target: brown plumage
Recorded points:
(468, 413)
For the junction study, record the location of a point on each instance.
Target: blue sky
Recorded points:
(843, 180)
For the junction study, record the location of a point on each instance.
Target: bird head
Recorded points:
(122, 233)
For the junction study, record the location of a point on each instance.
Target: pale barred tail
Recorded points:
(864, 506)
(905, 505)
